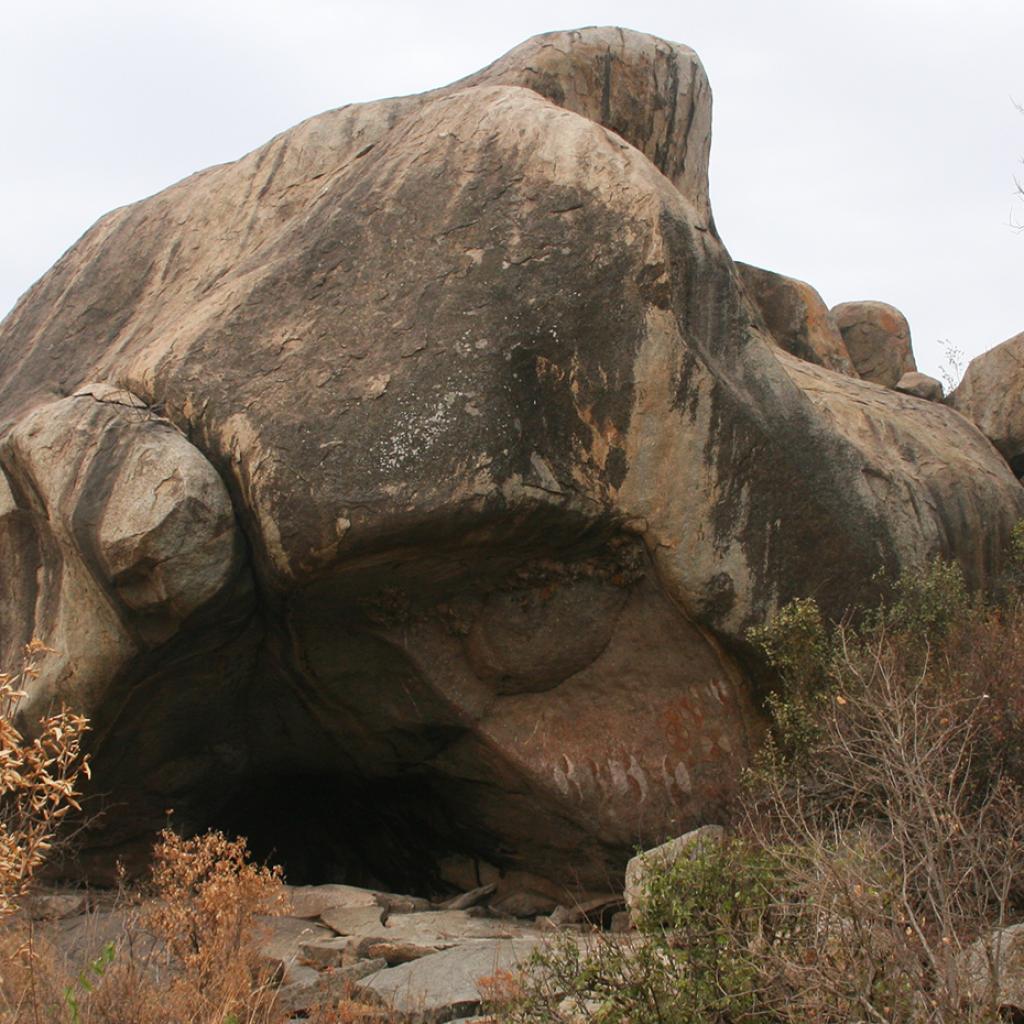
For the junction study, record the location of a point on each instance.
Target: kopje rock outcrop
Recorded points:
(877, 337)
(990, 395)
(400, 495)
(797, 318)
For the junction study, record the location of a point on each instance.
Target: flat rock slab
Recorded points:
(445, 986)
(313, 900)
(444, 927)
(393, 952)
(311, 988)
(284, 938)
(354, 920)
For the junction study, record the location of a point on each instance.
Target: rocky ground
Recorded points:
(422, 959)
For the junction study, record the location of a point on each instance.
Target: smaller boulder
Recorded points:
(797, 318)
(641, 867)
(920, 385)
(877, 336)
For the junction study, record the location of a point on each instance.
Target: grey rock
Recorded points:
(641, 867)
(312, 900)
(315, 988)
(993, 968)
(283, 939)
(445, 986)
(445, 927)
(354, 920)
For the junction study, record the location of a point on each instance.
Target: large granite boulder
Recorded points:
(406, 488)
(797, 318)
(991, 394)
(877, 337)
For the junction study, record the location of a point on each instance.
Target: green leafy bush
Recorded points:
(691, 962)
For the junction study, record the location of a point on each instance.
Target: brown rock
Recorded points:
(524, 904)
(990, 396)
(920, 385)
(450, 464)
(397, 952)
(877, 337)
(465, 900)
(321, 953)
(797, 318)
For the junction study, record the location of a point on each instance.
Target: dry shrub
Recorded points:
(901, 836)
(191, 956)
(38, 782)
(188, 953)
(880, 834)
(352, 1010)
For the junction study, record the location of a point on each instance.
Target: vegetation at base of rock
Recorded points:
(38, 782)
(878, 841)
(189, 955)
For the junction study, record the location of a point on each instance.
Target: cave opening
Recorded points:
(389, 834)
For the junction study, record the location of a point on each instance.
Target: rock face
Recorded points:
(990, 396)
(877, 337)
(405, 489)
(920, 385)
(797, 318)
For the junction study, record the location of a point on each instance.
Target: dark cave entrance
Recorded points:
(389, 834)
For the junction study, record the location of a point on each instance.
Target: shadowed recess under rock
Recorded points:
(385, 834)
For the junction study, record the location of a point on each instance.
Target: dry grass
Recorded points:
(38, 782)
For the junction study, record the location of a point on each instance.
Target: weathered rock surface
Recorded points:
(420, 473)
(797, 318)
(312, 967)
(877, 337)
(313, 900)
(448, 984)
(640, 868)
(991, 395)
(920, 385)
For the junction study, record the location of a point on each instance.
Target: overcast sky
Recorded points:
(869, 148)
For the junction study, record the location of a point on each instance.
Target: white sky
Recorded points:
(867, 147)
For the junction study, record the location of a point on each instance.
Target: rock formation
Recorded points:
(990, 395)
(921, 386)
(797, 318)
(403, 492)
(878, 339)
